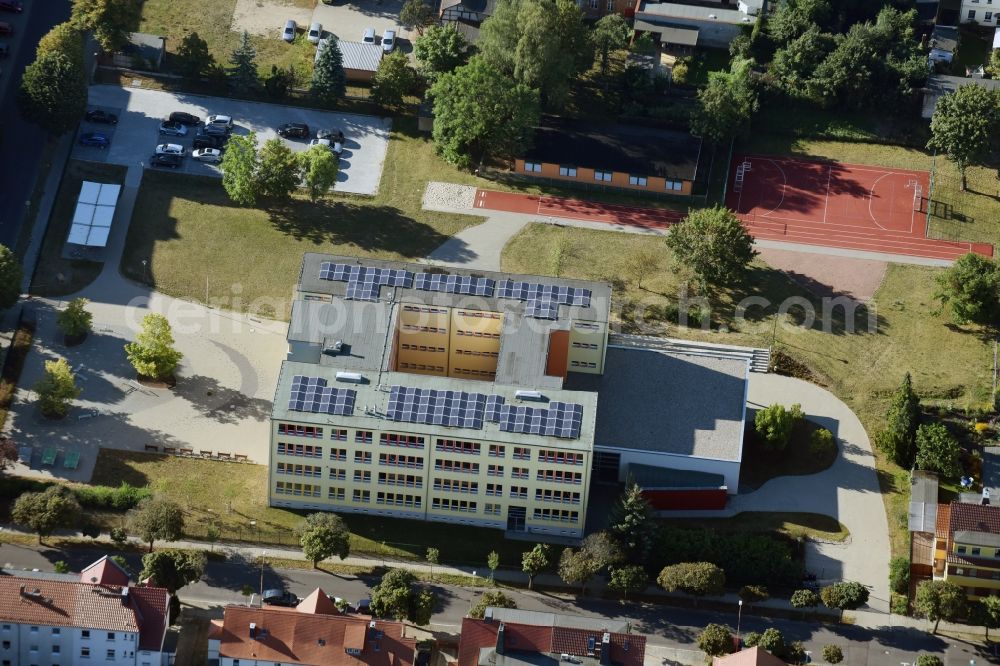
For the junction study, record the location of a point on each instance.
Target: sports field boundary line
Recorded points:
(826, 161)
(871, 198)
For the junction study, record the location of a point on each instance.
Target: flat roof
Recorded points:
(362, 326)
(360, 56)
(923, 501)
(666, 402)
(310, 282)
(649, 477)
(372, 402)
(643, 151)
(680, 35)
(653, 11)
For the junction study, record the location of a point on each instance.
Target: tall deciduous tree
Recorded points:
(10, 278)
(629, 579)
(64, 38)
(393, 80)
(695, 578)
(492, 562)
(727, 104)
(53, 92)
(611, 33)
(713, 245)
(319, 170)
(938, 450)
(632, 524)
(56, 389)
(440, 50)
(577, 567)
(46, 511)
(329, 83)
(396, 596)
(239, 165)
(110, 21)
(535, 561)
(324, 535)
(971, 289)
(480, 113)
(989, 613)
(156, 518)
(243, 73)
(940, 600)
(277, 170)
(173, 569)
(963, 124)
(417, 14)
(193, 56)
(153, 354)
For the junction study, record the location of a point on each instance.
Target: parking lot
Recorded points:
(139, 111)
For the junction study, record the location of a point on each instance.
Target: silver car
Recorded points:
(211, 155)
(388, 41)
(173, 128)
(170, 149)
(289, 34)
(315, 32)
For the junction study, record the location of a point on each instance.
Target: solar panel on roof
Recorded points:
(493, 404)
(454, 284)
(311, 394)
(543, 300)
(560, 419)
(457, 409)
(363, 282)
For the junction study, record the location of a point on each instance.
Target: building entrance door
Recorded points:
(516, 516)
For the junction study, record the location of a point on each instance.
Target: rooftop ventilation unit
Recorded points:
(334, 349)
(535, 396)
(353, 377)
(371, 625)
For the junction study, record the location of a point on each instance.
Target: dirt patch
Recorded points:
(829, 275)
(267, 17)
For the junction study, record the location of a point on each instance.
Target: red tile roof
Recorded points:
(105, 571)
(626, 649)
(973, 518)
(56, 603)
(291, 636)
(317, 603)
(751, 657)
(943, 518)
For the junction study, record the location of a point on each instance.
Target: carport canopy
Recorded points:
(95, 209)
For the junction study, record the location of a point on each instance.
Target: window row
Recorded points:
(472, 372)
(584, 345)
(560, 457)
(456, 486)
(398, 499)
(562, 496)
(398, 460)
(974, 550)
(445, 504)
(424, 308)
(557, 515)
(407, 441)
(424, 329)
(457, 466)
(559, 476)
(478, 334)
(423, 348)
(406, 480)
(582, 364)
(315, 432)
(298, 470)
(479, 314)
(457, 446)
(297, 489)
(476, 352)
(420, 366)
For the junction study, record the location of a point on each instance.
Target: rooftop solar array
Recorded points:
(311, 394)
(560, 419)
(493, 405)
(543, 300)
(455, 284)
(456, 409)
(363, 282)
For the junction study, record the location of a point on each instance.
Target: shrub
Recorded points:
(752, 593)
(751, 639)
(772, 641)
(716, 640)
(679, 73)
(929, 660)
(899, 575)
(747, 558)
(774, 425)
(822, 443)
(833, 654)
(844, 596)
(795, 653)
(61, 567)
(899, 604)
(122, 498)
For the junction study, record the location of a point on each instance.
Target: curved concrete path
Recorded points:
(847, 491)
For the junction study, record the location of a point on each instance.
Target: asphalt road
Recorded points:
(21, 141)
(664, 625)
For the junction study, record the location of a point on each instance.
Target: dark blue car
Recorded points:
(95, 139)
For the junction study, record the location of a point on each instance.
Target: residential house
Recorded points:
(466, 15)
(754, 656)
(967, 548)
(922, 523)
(717, 22)
(314, 633)
(515, 638)
(943, 43)
(360, 60)
(612, 156)
(143, 51)
(71, 619)
(983, 12)
(939, 85)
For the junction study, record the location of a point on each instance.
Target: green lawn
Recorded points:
(790, 524)
(56, 276)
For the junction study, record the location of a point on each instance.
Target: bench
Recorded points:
(49, 456)
(153, 447)
(71, 460)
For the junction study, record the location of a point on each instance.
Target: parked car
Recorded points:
(11, 6)
(212, 155)
(170, 149)
(330, 134)
(214, 130)
(335, 145)
(369, 36)
(172, 128)
(315, 32)
(98, 116)
(294, 130)
(388, 41)
(220, 120)
(209, 141)
(95, 139)
(320, 142)
(184, 118)
(6, 28)
(289, 33)
(279, 598)
(165, 161)
(364, 607)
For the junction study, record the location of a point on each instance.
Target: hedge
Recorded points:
(746, 557)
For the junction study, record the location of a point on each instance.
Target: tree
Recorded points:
(56, 389)
(832, 654)
(492, 563)
(329, 83)
(277, 170)
(576, 567)
(156, 518)
(424, 603)
(774, 424)
(64, 38)
(433, 557)
(971, 289)
(939, 600)
(695, 578)
(938, 450)
(988, 613)
(898, 440)
(396, 597)
(173, 569)
(418, 14)
(491, 599)
(393, 79)
(243, 74)
(53, 92)
(627, 579)
(899, 574)
(929, 660)
(10, 278)
(535, 561)
(46, 511)
(319, 170)
(791, 19)
(804, 599)
(479, 113)
(641, 264)
(75, 321)
(153, 354)
(844, 596)
(440, 50)
(119, 536)
(713, 245)
(239, 165)
(611, 33)
(963, 124)
(324, 535)
(110, 21)
(716, 640)
(793, 64)
(727, 104)
(602, 548)
(772, 641)
(632, 524)
(193, 56)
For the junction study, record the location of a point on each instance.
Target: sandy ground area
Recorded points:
(267, 18)
(828, 275)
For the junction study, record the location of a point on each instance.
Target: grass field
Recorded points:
(56, 276)
(793, 525)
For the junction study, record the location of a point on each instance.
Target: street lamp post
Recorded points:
(739, 619)
(263, 554)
